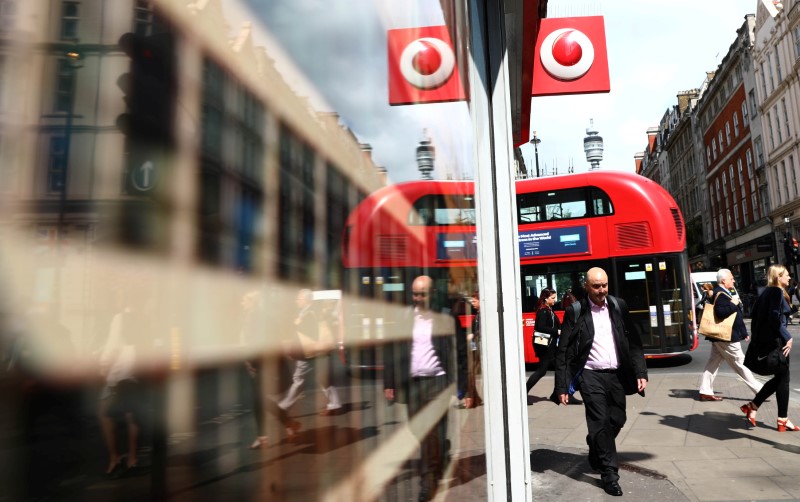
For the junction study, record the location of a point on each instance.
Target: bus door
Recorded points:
(653, 289)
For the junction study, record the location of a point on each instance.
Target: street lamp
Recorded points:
(74, 63)
(536, 142)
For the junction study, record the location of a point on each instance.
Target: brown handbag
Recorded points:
(713, 327)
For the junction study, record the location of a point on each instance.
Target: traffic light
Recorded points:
(795, 251)
(150, 97)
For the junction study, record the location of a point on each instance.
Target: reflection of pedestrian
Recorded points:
(123, 396)
(307, 328)
(468, 341)
(548, 324)
(600, 353)
(418, 368)
(770, 316)
(568, 299)
(725, 305)
(253, 327)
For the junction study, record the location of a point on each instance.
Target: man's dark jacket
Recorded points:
(723, 307)
(397, 354)
(576, 340)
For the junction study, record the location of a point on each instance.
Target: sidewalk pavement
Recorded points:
(673, 446)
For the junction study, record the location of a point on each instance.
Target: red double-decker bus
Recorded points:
(622, 222)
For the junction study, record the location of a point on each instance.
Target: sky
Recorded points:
(656, 48)
(334, 53)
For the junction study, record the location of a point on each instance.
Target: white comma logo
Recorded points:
(427, 63)
(567, 54)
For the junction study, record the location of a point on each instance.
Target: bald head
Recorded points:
(421, 291)
(597, 285)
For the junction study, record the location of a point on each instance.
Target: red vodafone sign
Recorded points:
(571, 57)
(422, 66)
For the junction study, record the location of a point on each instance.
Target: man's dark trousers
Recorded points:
(604, 403)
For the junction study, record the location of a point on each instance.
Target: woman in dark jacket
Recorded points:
(546, 322)
(770, 317)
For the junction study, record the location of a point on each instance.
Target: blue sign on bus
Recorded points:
(556, 241)
(457, 246)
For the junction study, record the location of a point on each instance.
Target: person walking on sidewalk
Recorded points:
(770, 317)
(306, 325)
(725, 304)
(547, 323)
(600, 353)
(252, 340)
(418, 368)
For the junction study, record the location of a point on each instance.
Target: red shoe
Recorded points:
(709, 397)
(787, 425)
(749, 410)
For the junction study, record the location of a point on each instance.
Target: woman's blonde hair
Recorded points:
(774, 272)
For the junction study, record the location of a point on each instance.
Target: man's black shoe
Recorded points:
(613, 488)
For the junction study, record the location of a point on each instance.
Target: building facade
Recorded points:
(775, 56)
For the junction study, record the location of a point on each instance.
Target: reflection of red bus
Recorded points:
(623, 222)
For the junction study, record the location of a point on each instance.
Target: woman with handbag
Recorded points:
(546, 330)
(770, 317)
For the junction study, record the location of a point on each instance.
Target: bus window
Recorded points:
(601, 204)
(563, 205)
(443, 210)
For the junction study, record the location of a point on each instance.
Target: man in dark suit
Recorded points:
(600, 353)
(419, 366)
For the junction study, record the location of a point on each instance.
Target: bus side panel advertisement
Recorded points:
(556, 241)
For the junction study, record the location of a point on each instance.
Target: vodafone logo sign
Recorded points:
(567, 54)
(571, 57)
(427, 63)
(423, 67)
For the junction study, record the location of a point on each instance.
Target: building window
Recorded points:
(65, 83)
(69, 21)
(771, 132)
(763, 81)
(778, 66)
(143, 17)
(741, 172)
(778, 126)
(777, 182)
(717, 190)
(733, 180)
(56, 165)
(786, 118)
(736, 216)
(708, 156)
(754, 204)
(728, 133)
(785, 181)
(794, 176)
(759, 152)
(745, 118)
(750, 174)
(771, 77)
(714, 148)
(719, 136)
(8, 13)
(797, 42)
(736, 124)
(745, 213)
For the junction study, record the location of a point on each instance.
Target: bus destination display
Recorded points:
(556, 241)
